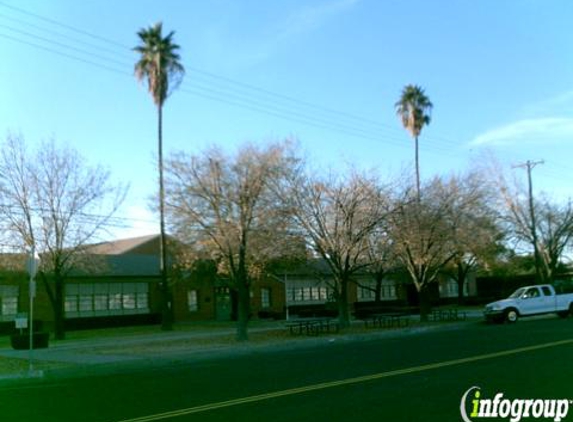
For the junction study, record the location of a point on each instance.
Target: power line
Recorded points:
(61, 35)
(59, 44)
(62, 25)
(86, 216)
(220, 96)
(246, 96)
(69, 56)
(326, 123)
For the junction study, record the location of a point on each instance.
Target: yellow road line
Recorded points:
(348, 381)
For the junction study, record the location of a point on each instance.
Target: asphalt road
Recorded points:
(419, 377)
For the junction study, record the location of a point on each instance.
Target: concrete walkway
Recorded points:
(88, 351)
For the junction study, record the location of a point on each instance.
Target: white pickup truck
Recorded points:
(530, 300)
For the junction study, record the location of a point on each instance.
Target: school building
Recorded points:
(117, 283)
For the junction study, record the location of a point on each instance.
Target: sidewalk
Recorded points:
(84, 356)
(93, 351)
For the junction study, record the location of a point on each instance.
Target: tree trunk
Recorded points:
(378, 291)
(343, 308)
(425, 302)
(244, 301)
(166, 300)
(461, 280)
(59, 317)
(244, 305)
(417, 163)
(244, 310)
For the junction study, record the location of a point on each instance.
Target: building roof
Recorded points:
(135, 245)
(130, 265)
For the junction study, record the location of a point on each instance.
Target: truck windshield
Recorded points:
(517, 294)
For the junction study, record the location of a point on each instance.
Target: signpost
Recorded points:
(21, 321)
(32, 265)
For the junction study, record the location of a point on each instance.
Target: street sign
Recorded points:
(21, 321)
(32, 264)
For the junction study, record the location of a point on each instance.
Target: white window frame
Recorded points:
(193, 300)
(265, 297)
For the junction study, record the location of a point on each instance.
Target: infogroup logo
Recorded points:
(474, 407)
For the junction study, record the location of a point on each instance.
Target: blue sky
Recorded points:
(325, 71)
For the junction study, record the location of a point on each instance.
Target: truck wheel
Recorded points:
(563, 314)
(511, 316)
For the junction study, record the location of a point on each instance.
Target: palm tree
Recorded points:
(159, 64)
(414, 109)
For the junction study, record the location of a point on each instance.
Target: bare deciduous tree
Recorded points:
(224, 206)
(555, 235)
(554, 230)
(421, 234)
(52, 201)
(381, 260)
(338, 216)
(552, 233)
(473, 222)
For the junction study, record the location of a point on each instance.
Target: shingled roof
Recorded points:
(118, 266)
(143, 245)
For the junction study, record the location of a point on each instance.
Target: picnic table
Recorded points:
(312, 326)
(451, 314)
(387, 320)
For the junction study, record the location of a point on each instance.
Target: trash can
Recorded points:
(21, 341)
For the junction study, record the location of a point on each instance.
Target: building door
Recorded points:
(223, 305)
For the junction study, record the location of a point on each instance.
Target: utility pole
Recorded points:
(530, 165)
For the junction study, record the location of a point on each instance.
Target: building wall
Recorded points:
(198, 296)
(268, 299)
(205, 297)
(194, 299)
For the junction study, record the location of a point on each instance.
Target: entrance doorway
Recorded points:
(223, 306)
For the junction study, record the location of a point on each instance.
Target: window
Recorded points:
(86, 303)
(115, 301)
(142, 300)
(265, 297)
(8, 302)
(9, 306)
(389, 291)
(546, 291)
(100, 302)
(105, 299)
(366, 294)
(367, 290)
(192, 300)
(128, 300)
(531, 293)
(449, 288)
(308, 291)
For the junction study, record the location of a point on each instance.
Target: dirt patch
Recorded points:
(14, 366)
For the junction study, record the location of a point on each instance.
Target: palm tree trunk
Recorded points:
(417, 162)
(166, 310)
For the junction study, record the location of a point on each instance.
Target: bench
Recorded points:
(440, 315)
(312, 326)
(387, 320)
